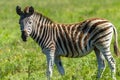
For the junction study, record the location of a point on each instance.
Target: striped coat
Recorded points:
(69, 40)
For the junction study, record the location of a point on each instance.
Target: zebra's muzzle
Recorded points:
(24, 36)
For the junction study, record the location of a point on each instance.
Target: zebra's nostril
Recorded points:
(24, 33)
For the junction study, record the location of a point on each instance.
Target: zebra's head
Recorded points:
(25, 21)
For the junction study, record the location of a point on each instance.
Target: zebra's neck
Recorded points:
(42, 29)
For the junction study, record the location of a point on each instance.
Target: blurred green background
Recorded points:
(25, 61)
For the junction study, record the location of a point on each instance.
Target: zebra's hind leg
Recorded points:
(111, 62)
(59, 65)
(101, 63)
(108, 56)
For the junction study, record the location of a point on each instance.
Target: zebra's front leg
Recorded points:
(59, 65)
(50, 62)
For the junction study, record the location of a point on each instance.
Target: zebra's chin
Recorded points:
(24, 38)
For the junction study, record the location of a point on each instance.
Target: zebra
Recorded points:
(69, 40)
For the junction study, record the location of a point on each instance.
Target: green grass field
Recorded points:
(25, 61)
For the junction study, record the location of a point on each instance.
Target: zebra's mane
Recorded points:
(45, 17)
(51, 21)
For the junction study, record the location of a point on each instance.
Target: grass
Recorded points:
(25, 61)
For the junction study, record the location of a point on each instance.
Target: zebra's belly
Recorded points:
(74, 54)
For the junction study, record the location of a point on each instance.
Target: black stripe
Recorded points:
(86, 27)
(81, 27)
(106, 47)
(59, 43)
(98, 33)
(35, 35)
(72, 30)
(44, 37)
(41, 36)
(32, 34)
(37, 29)
(38, 25)
(40, 29)
(46, 42)
(75, 44)
(95, 25)
(79, 41)
(69, 42)
(86, 41)
(97, 40)
(42, 20)
(50, 45)
(68, 28)
(63, 40)
(107, 53)
(46, 21)
(38, 39)
(74, 41)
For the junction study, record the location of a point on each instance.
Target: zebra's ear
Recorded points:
(31, 10)
(18, 10)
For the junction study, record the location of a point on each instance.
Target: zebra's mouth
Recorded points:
(24, 36)
(24, 39)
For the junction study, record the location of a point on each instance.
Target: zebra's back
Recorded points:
(76, 40)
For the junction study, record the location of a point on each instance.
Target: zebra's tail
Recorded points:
(116, 50)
